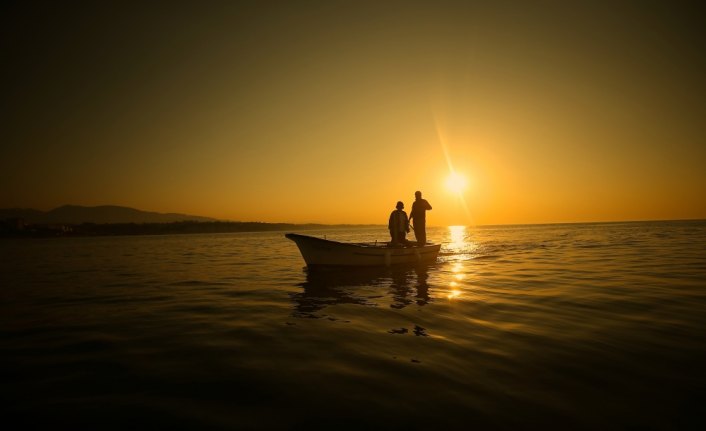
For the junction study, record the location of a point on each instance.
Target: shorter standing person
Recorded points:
(398, 225)
(419, 215)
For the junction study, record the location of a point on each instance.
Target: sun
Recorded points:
(456, 183)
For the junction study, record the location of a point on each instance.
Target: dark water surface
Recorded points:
(588, 326)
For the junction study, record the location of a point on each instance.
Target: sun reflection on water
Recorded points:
(459, 244)
(454, 294)
(458, 238)
(454, 290)
(459, 251)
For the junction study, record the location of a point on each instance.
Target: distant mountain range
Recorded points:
(75, 214)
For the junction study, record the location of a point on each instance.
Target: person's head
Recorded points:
(400, 205)
(418, 194)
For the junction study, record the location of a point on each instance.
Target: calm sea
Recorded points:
(584, 326)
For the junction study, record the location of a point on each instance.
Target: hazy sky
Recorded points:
(332, 111)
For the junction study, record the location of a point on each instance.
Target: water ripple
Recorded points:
(595, 326)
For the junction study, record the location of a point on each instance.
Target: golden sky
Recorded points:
(332, 111)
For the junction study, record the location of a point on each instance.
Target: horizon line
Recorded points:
(217, 220)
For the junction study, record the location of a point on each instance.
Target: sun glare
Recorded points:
(456, 183)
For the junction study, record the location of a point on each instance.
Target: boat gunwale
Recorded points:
(427, 248)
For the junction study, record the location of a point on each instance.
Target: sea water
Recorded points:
(577, 326)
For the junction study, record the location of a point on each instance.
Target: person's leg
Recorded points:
(398, 238)
(422, 237)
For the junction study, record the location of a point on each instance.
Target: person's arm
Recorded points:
(428, 206)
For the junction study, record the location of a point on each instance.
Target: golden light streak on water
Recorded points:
(454, 294)
(458, 239)
(460, 247)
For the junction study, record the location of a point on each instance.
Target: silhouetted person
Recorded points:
(419, 215)
(398, 225)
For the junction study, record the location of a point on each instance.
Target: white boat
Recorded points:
(320, 252)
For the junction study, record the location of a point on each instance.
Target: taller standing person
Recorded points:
(419, 215)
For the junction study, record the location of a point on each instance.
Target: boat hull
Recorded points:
(322, 252)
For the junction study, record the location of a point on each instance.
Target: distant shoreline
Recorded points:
(8, 229)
